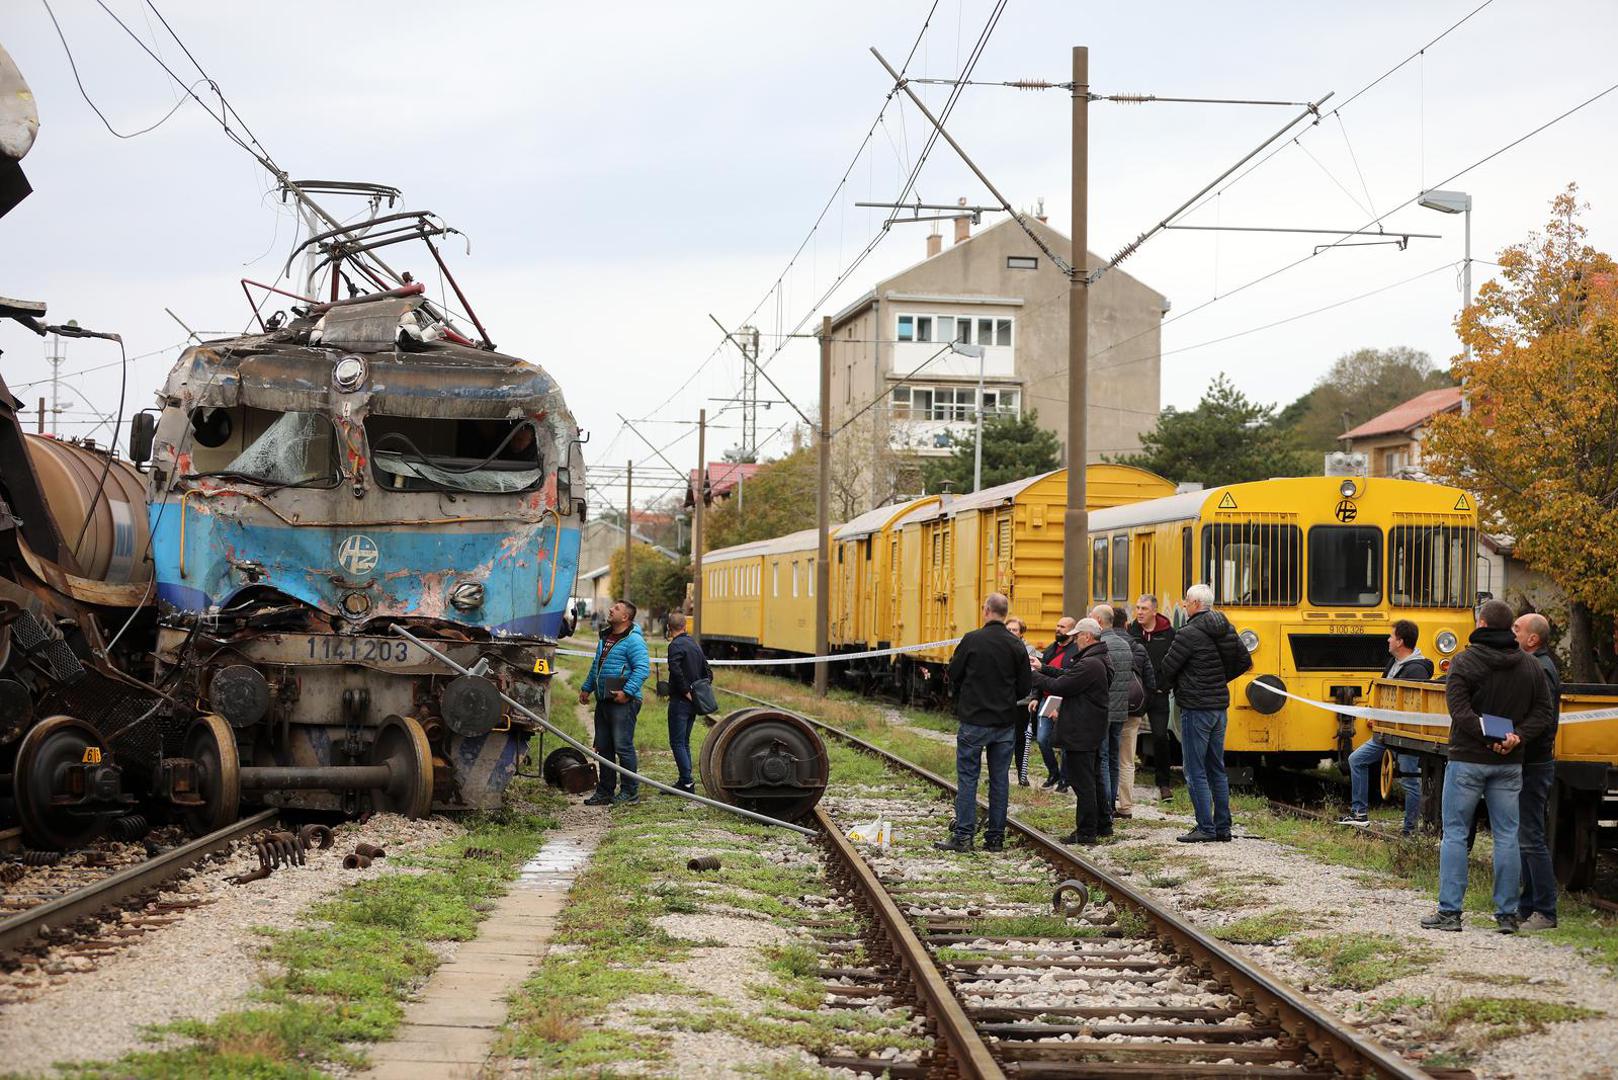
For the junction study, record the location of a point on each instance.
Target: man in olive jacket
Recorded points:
(1081, 726)
(989, 673)
(1493, 678)
(1205, 656)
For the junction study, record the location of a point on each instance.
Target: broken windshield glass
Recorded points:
(484, 456)
(296, 448)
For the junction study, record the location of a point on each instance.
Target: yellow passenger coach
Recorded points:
(1312, 572)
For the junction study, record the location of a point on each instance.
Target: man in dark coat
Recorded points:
(686, 666)
(1404, 662)
(1537, 908)
(1121, 750)
(1156, 634)
(989, 673)
(1056, 655)
(1081, 725)
(1494, 683)
(1205, 657)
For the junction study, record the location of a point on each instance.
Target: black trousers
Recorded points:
(1157, 712)
(1083, 771)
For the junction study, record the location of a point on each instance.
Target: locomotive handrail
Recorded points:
(556, 556)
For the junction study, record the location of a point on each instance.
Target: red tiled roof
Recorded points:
(723, 476)
(1409, 414)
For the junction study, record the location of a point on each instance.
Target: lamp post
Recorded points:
(1457, 202)
(977, 449)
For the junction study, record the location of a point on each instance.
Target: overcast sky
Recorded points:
(624, 170)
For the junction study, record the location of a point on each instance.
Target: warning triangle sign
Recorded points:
(1228, 502)
(1462, 504)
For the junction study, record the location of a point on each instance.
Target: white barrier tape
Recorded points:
(780, 660)
(1424, 719)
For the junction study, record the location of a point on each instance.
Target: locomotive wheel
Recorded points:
(1387, 774)
(50, 746)
(211, 743)
(401, 744)
(707, 768)
(766, 761)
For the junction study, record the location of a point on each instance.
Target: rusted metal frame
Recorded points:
(459, 295)
(268, 288)
(969, 1054)
(23, 927)
(417, 216)
(1325, 1035)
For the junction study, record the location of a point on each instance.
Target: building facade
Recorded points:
(998, 290)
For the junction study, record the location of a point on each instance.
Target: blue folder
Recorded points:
(1496, 728)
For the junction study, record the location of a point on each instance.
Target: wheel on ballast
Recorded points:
(211, 744)
(402, 745)
(44, 755)
(766, 761)
(706, 769)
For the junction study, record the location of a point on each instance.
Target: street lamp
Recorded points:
(1457, 202)
(963, 349)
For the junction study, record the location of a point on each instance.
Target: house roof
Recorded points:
(723, 476)
(1408, 415)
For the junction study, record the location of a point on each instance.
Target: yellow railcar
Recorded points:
(1584, 795)
(789, 564)
(865, 577)
(732, 598)
(1312, 572)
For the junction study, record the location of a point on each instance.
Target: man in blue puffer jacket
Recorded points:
(617, 674)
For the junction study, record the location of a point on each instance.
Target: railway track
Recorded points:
(22, 928)
(1126, 989)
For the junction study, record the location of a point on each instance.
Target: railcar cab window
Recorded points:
(1432, 566)
(257, 446)
(1345, 566)
(1253, 564)
(410, 453)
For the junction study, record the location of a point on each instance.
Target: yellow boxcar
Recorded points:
(732, 607)
(789, 592)
(863, 603)
(1312, 572)
(1586, 789)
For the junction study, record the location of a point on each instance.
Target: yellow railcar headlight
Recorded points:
(1249, 640)
(1446, 641)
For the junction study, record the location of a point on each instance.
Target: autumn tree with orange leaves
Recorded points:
(1540, 443)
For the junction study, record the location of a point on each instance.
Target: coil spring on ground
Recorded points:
(316, 836)
(40, 858)
(480, 853)
(129, 827)
(277, 849)
(10, 872)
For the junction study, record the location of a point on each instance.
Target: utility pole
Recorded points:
(1076, 523)
(629, 521)
(39, 421)
(823, 512)
(698, 497)
(56, 356)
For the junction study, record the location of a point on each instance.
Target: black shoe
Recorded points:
(624, 798)
(689, 787)
(1197, 836)
(1104, 832)
(954, 843)
(994, 843)
(1224, 838)
(1164, 792)
(598, 799)
(1442, 920)
(1022, 781)
(1061, 788)
(1050, 782)
(1082, 841)
(1507, 924)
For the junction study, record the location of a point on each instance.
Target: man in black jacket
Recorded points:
(1205, 656)
(1081, 725)
(1404, 662)
(989, 673)
(1156, 634)
(1494, 679)
(686, 666)
(1537, 908)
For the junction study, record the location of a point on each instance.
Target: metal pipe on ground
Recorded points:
(319, 778)
(597, 758)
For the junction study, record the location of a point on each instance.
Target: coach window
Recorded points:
(1098, 568)
(1187, 561)
(1345, 566)
(1120, 566)
(1253, 564)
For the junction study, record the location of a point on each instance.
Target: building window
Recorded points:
(1002, 331)
(963, 331)
(1002, 403)
(924, 328)
(907, 328)
(1022, 262)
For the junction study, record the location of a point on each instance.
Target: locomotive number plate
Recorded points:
(361, 650)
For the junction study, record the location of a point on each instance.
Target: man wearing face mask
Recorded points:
(1057, 655)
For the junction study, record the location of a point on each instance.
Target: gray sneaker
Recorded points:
(1442, 920)
(1536, 921)
(1507, 924)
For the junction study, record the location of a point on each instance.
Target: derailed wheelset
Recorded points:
(765, 760)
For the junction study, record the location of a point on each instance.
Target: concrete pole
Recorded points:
(1466, 300)
(1076, 524)
(697, 536)
(629, 523)
(823, 513)
(977, 449)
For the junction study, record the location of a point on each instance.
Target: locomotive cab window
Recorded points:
(1432, 565)
(1252, 564)
(1345, 566)
(427, 454)
(257, 446)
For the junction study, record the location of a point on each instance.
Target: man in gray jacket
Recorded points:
(1129, 662)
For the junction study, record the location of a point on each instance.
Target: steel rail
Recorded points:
(23, 927)
(1337, 1046)
(969, 1055)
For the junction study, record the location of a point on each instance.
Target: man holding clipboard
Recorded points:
(1498, 699)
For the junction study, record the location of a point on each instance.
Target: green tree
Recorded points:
(1358, 386)
(1014, 447)
(780, 499)
(1226, 439)
(657, 582)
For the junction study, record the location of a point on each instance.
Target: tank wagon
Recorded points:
(314, 485)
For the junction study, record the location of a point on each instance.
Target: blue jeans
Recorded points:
(1202, 737)
(1113, 755)
(615, 741)
(1044, 733)
(1368, 756)
(1538, 872)
(682, 715)
(1498, 786)
(970, 743)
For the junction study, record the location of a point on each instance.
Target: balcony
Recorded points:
(999, 361)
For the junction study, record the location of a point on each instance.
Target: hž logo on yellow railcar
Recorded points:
(1347, 511)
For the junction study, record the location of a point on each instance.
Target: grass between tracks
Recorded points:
(339, 977)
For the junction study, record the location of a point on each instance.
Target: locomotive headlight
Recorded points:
(466, 595)
(1249, 640)
(1348, 489)
(348, 373)
(1446, 641)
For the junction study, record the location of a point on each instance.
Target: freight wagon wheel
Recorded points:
(706, 772)
(769, 762)
(1572, 827)
(211, 744)
(1388, 773)
(401, 745)
(44, 757)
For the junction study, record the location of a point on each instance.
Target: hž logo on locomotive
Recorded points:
(358, 554)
